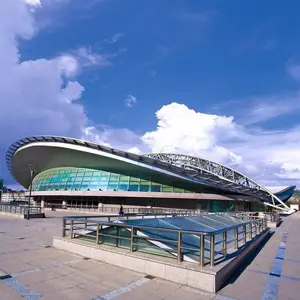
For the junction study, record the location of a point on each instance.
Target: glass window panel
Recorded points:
(166, 188)
(124, 178)
(84, 187)
(94, 187)
(123, 187)
(112, 187)
(134, 187)
(155, 188)
(76, 186)
(62, 186)
(104, 177)
(97, 173)
(134, 179)
(114, 176)
(95, 180)
(103, 187)
(177, 190)
(155, 184)
(88, 173)
(88, 178)
(143, 181)
(80, 174)
(144, 188)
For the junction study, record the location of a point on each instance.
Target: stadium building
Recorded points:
(75, 172)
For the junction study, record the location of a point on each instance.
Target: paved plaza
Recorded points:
(30, 268)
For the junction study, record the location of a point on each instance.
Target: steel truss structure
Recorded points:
(192, 168)
(223, 176)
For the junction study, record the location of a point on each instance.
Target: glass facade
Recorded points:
(81, 179)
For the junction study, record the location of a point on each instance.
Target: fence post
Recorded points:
(117, 236)
(63, 230)
(256, 228)
(225, 243)
(97, 234)
(212, 250)
(245, 234)
(85, 224)
(132, 234)
(236, 238)
(71, 228)
(202, 250)
(250, 232)
(179, 245)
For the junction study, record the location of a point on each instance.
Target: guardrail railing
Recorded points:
(212, 246)
(20, 209)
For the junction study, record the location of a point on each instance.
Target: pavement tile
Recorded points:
(288, 289)
(290, 268)
(247, 286)
(7, 293)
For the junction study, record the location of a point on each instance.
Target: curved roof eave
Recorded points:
(200, 176)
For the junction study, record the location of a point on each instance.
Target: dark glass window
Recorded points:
(133, 187)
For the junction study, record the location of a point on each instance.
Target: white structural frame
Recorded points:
(224, 173)
(205, 172)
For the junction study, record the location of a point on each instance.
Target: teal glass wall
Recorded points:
(81, 179)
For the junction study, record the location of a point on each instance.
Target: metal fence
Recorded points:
(20, 209)
(213, 246)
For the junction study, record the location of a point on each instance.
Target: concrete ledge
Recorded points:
(208, 278)
(274, 225)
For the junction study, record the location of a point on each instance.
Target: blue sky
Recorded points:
(231, 62)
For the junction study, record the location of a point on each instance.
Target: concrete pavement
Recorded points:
(31, 269)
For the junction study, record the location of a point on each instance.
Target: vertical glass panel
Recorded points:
(103, 186)
(134, 180)
(155, 188)
(112, 187)
(133, 187)
(84, 187)
(166, 188)
(124, 178)
(123, 187)
(94, 187)
(144, 188)
(114, 177)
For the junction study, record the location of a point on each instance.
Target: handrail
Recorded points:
(19, 209)
(242, 232)
(205, 233)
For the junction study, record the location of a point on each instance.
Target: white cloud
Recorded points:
(114, 38)
(37, 97)
(86, 57)
(181, 129)
(33, 2)
(130, 100)
(270, 157)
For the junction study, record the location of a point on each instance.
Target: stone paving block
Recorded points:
(36, 277)
(14, 266)
(248, 286)
(6, 293)
(288, 289)
(190, 294)
(290, 268)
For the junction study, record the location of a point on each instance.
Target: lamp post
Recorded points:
(30, 189)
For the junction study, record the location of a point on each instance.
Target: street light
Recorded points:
(30, 189)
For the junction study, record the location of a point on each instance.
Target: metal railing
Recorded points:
(20, 209)
(213, 246)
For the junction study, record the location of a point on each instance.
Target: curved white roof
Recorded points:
(45, 152)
